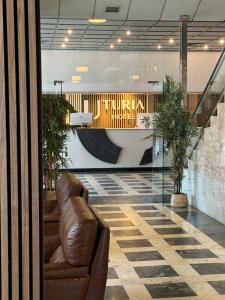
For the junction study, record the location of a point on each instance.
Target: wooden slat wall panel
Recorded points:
(20, 167)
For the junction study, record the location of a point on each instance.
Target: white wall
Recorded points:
(110, 71)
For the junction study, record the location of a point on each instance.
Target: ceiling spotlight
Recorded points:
(159, 47)
(171, 41)
(111, 46)
(128, 32)
(82, 69)
(119, 40)
(222, 41)
(206, 47)
(63, 45)
(76, 78)
(97, 21)
(70, 31)
(66, 39)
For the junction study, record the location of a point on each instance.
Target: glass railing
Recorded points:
(212, 95)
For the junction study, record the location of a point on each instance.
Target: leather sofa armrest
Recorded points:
(51, 243)
(64, 271)
(50, 206)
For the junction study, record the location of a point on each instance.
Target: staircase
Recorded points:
(205, 176)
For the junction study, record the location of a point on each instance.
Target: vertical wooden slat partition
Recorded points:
(20, 140)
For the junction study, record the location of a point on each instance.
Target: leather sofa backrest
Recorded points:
(78, 228)
(67, 186)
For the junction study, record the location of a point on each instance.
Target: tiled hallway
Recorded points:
(157, 252)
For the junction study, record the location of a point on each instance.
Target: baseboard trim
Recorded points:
(114, 170)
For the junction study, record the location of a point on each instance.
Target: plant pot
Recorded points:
(49, 195)
(179, 200)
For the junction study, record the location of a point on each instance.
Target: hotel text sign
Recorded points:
(120, 110)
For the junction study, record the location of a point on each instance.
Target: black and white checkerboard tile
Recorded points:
(127, 184)
(156, 254)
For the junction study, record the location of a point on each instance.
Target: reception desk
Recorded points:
(113, 148)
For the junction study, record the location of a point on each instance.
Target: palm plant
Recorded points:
(172, 123)
(55, 135)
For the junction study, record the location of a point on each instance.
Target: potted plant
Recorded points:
(172, 123)
(54, 136)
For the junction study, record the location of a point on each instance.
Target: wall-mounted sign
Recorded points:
(113, 110)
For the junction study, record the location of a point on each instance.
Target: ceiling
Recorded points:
(151, 23)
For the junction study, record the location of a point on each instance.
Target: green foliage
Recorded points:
(55, 135)
(173, 124)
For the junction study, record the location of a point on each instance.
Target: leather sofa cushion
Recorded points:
(67, 186)
(78, 229)
(64, 271)
(58, 256)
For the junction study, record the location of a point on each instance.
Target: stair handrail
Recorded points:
(210, 82)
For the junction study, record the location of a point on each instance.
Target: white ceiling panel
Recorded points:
(49, 8)
(175, 8)
(211, 10)
(146, 9)
(81, 9)
(100, 9)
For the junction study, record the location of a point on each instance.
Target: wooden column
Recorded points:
(20, 144)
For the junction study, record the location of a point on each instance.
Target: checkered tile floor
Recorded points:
(156, 252)
(127, 184)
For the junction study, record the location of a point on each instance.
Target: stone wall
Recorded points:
(205, 178)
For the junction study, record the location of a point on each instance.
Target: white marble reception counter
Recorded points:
(112, 148)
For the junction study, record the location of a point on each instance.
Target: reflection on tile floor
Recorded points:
(127, 183)
(158, 252)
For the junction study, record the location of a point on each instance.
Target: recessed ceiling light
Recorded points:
(206, 47)
(97, 21)
(63, 45)
(136, 77)
(111, 46)
(159, 47)
(171, 41)
(119, 40)
(222, 41)
(128, 32)
(82, 69)
(70, 31)
(76, 78)
(66, 39)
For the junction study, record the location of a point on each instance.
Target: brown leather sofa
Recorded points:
(67, 186)
(76, 261)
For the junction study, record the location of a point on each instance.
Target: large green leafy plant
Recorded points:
(172, 123)
(55, 135)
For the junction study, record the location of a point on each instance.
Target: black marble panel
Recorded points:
(174, 230)
(144, 207)
(170, 290)
(108, 208)
(113, 215)
(115, 293)
(144, 256)
(131, 232)
(182, 241)
(147, 157)
(97, 143)
(120, 223)
(160, 222)
(134, 243)
(112, 274)
(219, 286)
(150, 214)
(196, 253)
(209, 268)
(156, 271)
